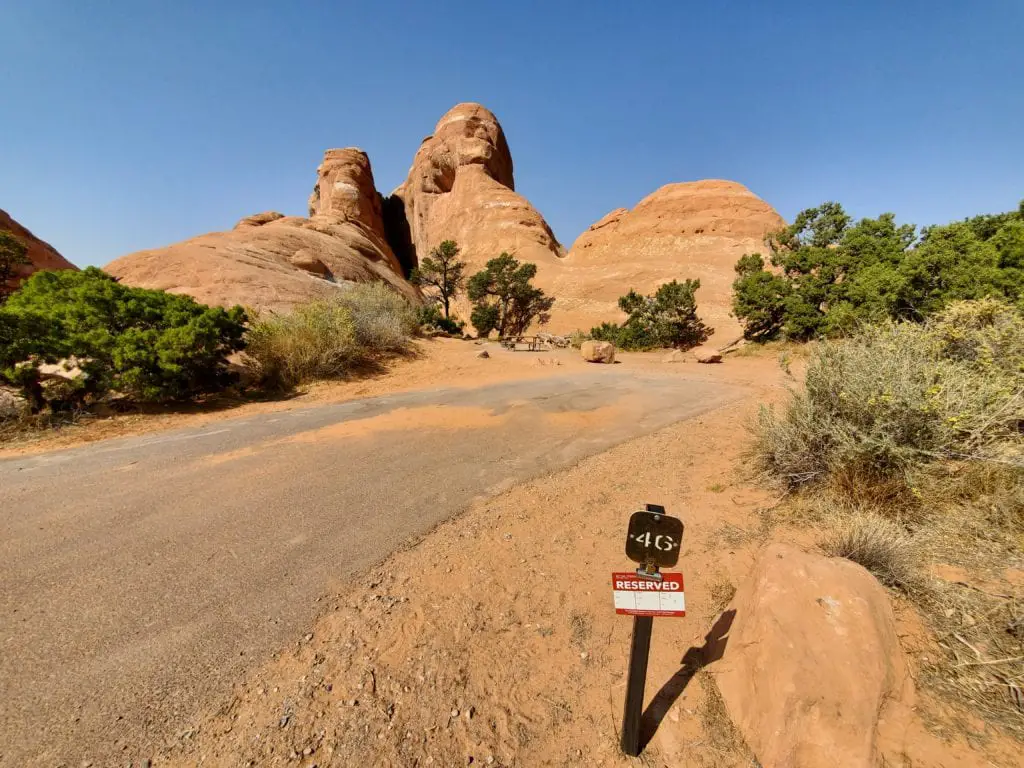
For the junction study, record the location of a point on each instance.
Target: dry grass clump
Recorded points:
(722, 739)
(330, 338)
(882, 546)
(981, 635)
(906, 444)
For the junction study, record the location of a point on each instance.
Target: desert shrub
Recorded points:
(668, 318)
(430, 317)
(898, 396)
(144, 345)
(315, 341)
(504, 298)
(383, 320)
(829, 275)
(330, 338)
(879, 544)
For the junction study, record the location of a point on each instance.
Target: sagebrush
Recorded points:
(330, 338)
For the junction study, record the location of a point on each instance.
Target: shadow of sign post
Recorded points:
(693, 660)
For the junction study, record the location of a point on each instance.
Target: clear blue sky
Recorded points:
(126, 125)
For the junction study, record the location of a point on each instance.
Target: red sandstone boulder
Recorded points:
(813, 668)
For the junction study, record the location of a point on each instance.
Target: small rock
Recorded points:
(484, 354)
(307, 751)
(707, 355)
(469, 713)
(455, 713)
(308, 637)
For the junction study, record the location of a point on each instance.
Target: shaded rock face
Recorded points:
(41, 255)
(461, 187)
(272, 262)
(686, 230)
(813, 674)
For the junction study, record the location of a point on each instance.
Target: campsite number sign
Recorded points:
(653, 538)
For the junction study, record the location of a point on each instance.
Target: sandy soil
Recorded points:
(492, 641)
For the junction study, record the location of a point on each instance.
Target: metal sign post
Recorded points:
(653, 541)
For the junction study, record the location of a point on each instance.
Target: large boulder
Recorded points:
(41, 255)
(271, 261)
(687, 230)
(461, 187)
(598, 351)
(813, 669)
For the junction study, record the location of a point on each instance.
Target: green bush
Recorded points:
(13, 254)
(330, 338)
(668, 318)
(894, 397)
(830, 275)
(430, 317)
(142, 344)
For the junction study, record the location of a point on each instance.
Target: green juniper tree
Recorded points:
(504, 299)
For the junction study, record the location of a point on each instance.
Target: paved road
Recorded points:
(142, 576)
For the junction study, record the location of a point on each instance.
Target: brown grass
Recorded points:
(877, 543)
(722, 738)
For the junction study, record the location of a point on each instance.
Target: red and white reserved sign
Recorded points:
(635, 596)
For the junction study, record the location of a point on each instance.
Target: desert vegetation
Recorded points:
(906, 443)
(505, 299)
(73, 341)
(71, 338)
(443, 275)
(13, 253)
(331, 338)
(828, 275)
(668, 318)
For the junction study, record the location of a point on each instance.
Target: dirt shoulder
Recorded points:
(492, 641)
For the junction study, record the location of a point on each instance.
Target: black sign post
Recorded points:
(652, 540)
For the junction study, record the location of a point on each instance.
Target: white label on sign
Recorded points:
(635, 596)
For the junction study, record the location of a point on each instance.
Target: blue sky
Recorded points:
(127, 125)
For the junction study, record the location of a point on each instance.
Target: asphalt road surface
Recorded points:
(142, 576)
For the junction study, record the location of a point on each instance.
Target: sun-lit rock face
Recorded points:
(693, 229)
(461, 187)
(40, 254)
(271, 261)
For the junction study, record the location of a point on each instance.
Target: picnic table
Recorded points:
(523, 343)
